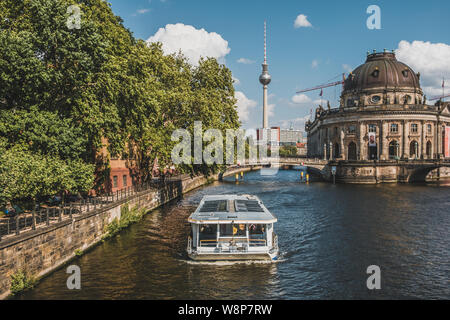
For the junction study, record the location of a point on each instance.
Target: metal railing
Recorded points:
(29, 221)
(251, 242)
(11, 226)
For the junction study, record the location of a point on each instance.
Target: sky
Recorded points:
(309, 43)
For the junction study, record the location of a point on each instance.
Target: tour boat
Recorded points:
(232, 227)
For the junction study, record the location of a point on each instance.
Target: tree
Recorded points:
(64, 91)
(59, 88)
(28, 176)
(288, 151)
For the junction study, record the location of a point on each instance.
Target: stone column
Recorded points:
(438, 140)
(342, 150)
(403, 153)
(435, 143)
(422, 139)
(331, 150)
(324, 151)
(381, 155)
(362, 145)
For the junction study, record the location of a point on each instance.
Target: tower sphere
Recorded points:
(265, 79)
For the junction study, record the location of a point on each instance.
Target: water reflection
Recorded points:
(328, 236)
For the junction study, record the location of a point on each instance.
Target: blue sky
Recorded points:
(337, 41)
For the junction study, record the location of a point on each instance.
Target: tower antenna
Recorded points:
(265, 42)
(265, 79)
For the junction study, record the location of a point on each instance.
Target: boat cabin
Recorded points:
(232, 225)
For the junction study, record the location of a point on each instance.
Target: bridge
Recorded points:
(404, 171)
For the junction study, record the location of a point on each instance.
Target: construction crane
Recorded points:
(333, 84)
(439, 98)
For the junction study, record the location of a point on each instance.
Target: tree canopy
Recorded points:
(63, 92)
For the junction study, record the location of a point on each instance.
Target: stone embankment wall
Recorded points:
(43, 250)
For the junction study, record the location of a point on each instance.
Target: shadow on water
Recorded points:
(328, 236)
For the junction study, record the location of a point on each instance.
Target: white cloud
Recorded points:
(314, 64)
(245, 61)
(300, 99)
(302, 21)
(140, 11)
(236, 81)
(244, 105)
(270, 109)
(194, 43)
(432, 60)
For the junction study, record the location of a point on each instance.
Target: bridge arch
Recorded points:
(420, 174)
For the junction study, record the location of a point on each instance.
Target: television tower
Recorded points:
(265, 79)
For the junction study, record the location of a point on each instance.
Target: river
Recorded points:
(328, 236)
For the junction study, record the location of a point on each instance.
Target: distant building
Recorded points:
(120, 170)
(268, 136)
(383, 118)
(383, 115)
(290, 137)
(302, 149)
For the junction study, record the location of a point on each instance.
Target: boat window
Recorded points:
(257, 234)
(257, 228)
(233, 230)
(208, 232)
(214, 206)
(248, 206)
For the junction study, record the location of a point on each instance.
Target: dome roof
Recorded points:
(382, 70)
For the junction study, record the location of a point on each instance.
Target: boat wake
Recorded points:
(281, 258)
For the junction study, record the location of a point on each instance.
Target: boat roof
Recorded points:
(225, 209)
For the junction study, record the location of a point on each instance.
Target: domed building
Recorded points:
(383, 115)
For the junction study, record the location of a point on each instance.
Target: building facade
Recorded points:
(290, 137)
(383, 115)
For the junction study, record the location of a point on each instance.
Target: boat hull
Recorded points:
(233, 256)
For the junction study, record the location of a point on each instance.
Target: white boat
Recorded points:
(232, 227)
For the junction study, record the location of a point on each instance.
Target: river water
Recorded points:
(328, 236)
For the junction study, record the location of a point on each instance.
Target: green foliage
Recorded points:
(78, 253)
(21, 281)
(127, 217)
(63, 91)
(26, 175)
(288, 151)
(56, 94)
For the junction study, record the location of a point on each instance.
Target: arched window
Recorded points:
(429, 150)
(414, 149)
(352, 151)
(337, 150)
(394, 150)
